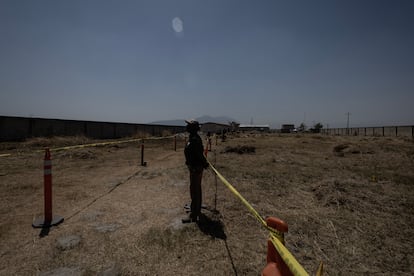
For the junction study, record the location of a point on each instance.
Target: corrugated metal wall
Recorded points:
(403, 131)
(20, 128)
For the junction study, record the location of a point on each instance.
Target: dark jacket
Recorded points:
(194, 157)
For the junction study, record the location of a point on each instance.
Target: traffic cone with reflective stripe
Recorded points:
(275, 264)
(206, 149)
(48, 219)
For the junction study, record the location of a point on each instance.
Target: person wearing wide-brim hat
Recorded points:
(196, 162)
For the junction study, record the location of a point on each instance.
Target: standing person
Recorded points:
(196, 162)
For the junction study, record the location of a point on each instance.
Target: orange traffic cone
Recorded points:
(275, 264)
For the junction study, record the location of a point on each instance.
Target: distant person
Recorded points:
(196, 162)
(223, 135)
(209, 141)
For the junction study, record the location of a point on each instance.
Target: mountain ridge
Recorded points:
(202, 120)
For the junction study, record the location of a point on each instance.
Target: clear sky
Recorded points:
(273, 61)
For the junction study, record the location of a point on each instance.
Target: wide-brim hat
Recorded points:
(192, 125)
(192, 122)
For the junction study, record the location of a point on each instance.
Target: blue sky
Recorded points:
(273, 61)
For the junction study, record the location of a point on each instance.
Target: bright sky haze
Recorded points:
(271, 61)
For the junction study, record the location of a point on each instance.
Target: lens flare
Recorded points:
(177, 25)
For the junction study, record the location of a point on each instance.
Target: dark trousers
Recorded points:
(195, 191)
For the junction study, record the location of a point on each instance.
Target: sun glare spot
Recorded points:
(177, 25)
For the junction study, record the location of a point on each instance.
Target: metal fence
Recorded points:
(388, 131)
(20, 128)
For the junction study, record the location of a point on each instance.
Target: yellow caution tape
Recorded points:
(96, 144)
(320, 270)
(109, 143)
(290, 261)
(287, 257)
(92, 145)
(159, 138)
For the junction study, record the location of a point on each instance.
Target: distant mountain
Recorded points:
(202, 120)
(178, 122)
(219, 119)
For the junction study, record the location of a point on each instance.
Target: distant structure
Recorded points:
(263, 128)
(234, 126)
(287, 128)
(215, 127)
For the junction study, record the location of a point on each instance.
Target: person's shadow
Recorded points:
(213, 228)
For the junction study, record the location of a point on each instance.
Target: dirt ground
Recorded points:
(348, 201)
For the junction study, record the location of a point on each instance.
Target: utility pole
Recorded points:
(347, 123)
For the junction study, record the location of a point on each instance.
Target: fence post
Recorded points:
(142, 154)
(48, 220)
(383, 131)
(396, 131)
(175, 142)
(412, 131)
(47, 179)
(365, 131)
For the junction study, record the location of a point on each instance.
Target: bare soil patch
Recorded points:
(348, 201)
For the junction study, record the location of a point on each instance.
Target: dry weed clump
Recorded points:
(78, 154)
(340, 148)
(240, 149)
(341, 193)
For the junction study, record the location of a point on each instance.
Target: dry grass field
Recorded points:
(348, 201)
